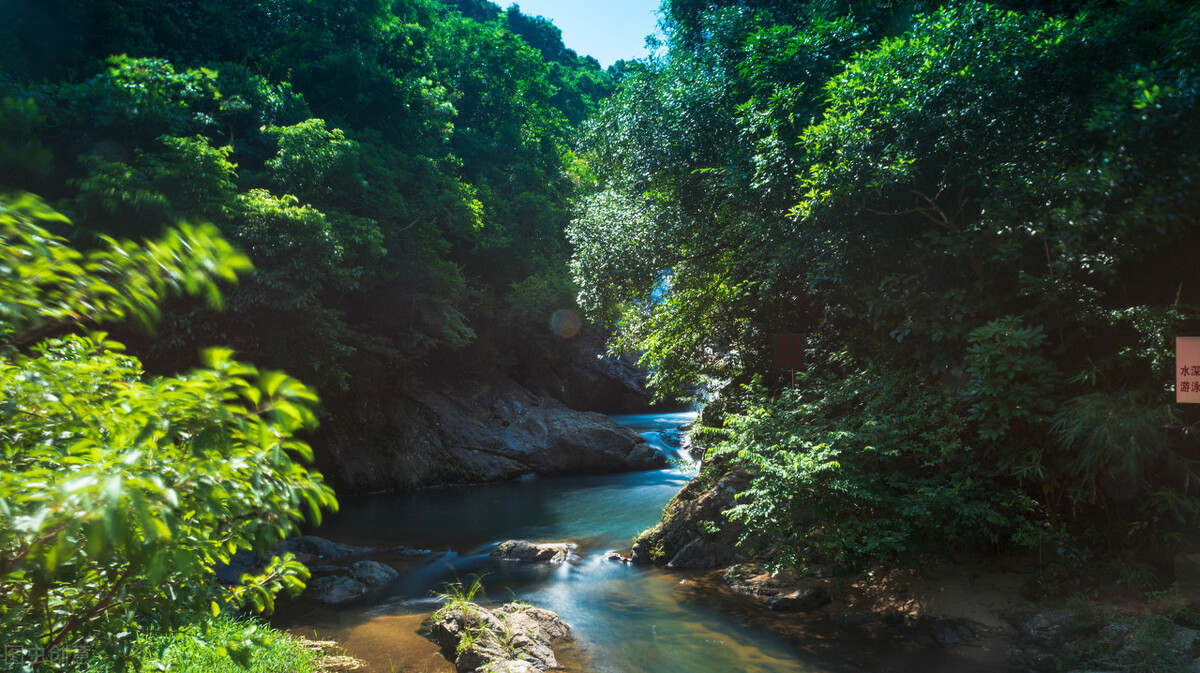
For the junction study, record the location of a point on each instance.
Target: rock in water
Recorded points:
(336, 590)
(514, 637)
(532, 552)
(695, 533)
(799, 600)
(373, 573)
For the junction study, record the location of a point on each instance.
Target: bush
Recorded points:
(120, 493)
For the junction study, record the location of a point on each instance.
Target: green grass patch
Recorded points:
(224, 644)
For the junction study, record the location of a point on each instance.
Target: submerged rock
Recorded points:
(532, 552)
(513, 637)
(695, 533)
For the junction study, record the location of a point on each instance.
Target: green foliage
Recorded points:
(120, 493)
(970, 197)
(1011, 382)
(221, 644)
(852, 470)
(393, 169)
(47, 285)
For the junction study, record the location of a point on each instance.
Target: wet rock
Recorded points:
(498, 639)
(801, 600)
(532, 552)
(373, 573)
(618, 556)
(695, 533)
(336, 590)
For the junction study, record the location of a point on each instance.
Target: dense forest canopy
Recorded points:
(399, 172)
(974, 215)
(976, 218)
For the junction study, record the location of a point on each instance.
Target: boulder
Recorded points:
(801, 600)
(695, 533)
(1050, 629)
(532, 552)
(242, 563)
(481, 433)
(587, 377)
(336, 590)
(318, 550)
(755, 580)
(373, 573)
(513, 637)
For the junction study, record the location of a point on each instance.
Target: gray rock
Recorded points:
(755, 580)
(514, 666)
(587, 377)
(327, 569)
(373, 573)
(241, 563)
(1183, 642)
(618, 557)
(336, 590)
(513, 632)
(1020, 659)
(532, 552)
(317, 550)
(806, 599)
(695, 533)
(1048, 630)
(484, 432)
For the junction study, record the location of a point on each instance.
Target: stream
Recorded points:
(624, 619)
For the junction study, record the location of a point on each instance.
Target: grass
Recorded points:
(210, 645)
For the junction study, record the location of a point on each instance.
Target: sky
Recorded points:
(609, 30)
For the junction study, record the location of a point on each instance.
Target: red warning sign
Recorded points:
(1187, 370)
(789, 350)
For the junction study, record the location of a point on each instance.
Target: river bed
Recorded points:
(624, 619)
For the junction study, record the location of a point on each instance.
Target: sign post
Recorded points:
(1187, 370)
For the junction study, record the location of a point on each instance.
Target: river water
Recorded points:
(624, 619)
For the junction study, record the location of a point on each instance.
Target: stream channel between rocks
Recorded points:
(623, 618)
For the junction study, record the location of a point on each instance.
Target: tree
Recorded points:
(120, 493)
(987, 200)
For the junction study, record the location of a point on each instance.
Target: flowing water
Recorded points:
(624, 619)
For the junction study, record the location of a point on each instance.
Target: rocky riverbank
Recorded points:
(481, 432)
(994, 611)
